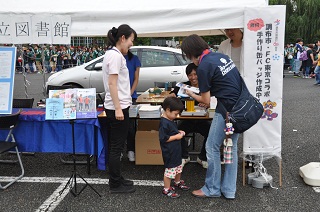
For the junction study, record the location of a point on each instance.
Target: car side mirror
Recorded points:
(98, 66)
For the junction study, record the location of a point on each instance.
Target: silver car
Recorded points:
(158, 64)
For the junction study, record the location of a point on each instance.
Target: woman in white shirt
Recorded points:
(233, 47)
(117, 102)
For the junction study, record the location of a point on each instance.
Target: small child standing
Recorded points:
(170, 138)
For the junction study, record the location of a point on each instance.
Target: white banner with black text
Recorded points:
(263, 74)
(35, 29)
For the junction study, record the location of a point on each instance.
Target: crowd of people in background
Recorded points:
(54, 58)
(297, 63)
(51, 59)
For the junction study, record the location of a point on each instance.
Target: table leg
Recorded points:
(243, 172)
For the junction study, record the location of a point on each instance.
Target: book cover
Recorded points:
(55, 110)
(68, 97)
(86, 103)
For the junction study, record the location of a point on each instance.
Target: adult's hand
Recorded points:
(189, 93)
(119, 114)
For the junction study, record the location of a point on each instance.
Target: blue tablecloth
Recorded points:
(34, 134)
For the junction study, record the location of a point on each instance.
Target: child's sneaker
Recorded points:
(170, 193)
(185, 161)
(181, 185)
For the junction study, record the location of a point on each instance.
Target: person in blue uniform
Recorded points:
(133, 64)
(218, 76)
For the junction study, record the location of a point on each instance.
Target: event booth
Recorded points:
(54, 22)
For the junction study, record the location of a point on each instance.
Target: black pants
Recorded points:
(197, 126)
(131, 139)
(117, 135)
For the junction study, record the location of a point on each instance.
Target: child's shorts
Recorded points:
(172, 172)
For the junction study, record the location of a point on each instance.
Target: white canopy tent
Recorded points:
(163, 18)
(263, 42)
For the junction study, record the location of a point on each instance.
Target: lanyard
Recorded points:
(204, 53)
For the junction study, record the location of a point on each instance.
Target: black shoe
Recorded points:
(126, 182)
(122, 189)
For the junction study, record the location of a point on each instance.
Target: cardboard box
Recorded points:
(148, 125)
(148, 150)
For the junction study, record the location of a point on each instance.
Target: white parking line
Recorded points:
(36, 179)
(53, 201)
(316, 189)
(59, 194)
(79, 180)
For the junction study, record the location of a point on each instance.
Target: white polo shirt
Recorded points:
(115, 63)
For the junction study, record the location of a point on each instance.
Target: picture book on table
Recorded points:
(55, 110)
(86, 103)
(71, 104)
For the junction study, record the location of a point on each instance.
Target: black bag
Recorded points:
(246, 112)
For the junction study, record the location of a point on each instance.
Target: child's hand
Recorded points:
(179, 136)
(182, 133)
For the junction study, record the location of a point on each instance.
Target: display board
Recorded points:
(7, 72)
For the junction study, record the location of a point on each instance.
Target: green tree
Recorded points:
(302, 19)
(142, 41)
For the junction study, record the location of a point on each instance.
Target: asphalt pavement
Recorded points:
(43, 187)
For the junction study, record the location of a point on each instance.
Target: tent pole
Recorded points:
(43, 71)
(26, 82)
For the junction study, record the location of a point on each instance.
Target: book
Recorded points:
(86, 103)
(71, 104)
(133, 111)
(149, 111)
(184, 87)
(55, 110)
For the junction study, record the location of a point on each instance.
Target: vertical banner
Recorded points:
(263, 73)
(7, 72)
(38, 29)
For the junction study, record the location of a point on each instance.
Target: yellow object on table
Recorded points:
(190, 105)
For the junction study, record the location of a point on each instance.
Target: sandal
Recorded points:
(170, 193)
(199, 194)
(181, 185)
